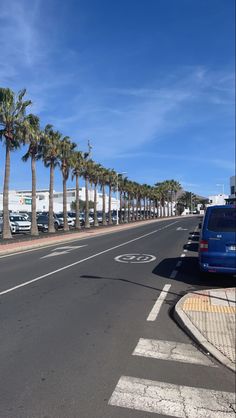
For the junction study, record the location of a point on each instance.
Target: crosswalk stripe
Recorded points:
(169, 350)
(168, 399)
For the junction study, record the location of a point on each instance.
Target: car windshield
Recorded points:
(17, 218)
(222, 220)
(42, 219)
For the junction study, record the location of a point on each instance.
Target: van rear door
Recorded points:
(221, 235)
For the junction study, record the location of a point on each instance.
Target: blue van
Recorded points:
(217, 246)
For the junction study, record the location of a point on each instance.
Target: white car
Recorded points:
(70, 220)
(19, 224)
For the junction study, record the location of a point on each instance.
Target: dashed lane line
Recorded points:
(156, 308)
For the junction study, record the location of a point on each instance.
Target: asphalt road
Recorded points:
(74, 323)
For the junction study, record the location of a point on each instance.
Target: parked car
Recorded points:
(19, 223)
(60, 217)
(13, 226)
(42, 222)
(217, 246)
(82, 219)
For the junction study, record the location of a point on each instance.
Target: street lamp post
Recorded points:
(117, 196)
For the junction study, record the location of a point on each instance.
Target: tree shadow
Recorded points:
(175, 295)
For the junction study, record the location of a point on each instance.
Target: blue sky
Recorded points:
(149, 82)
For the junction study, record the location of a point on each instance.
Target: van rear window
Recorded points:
(222, 220)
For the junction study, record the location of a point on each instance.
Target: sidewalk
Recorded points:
(208, 316)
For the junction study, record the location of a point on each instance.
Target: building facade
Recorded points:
(20, 200)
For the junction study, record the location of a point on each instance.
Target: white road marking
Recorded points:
(185, 251)
(173, 274)
(156, 308)
(71, 247)
(135, 258)
(42, 247)
(181, 229)
(183, 255)
(66, 249)
(169, 350)
(189, 242)
(168, 399)
(179, 264)
(54, 254)
(83, 260)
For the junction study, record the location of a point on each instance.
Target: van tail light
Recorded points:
(203, 246)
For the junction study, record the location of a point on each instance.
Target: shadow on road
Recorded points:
(189, 273)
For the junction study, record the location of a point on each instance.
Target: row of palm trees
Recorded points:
(18, 128)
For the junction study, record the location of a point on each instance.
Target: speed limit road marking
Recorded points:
(135, 258)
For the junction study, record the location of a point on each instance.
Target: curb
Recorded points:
(187, 325)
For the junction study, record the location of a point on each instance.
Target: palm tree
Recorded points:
(145, 194)
(123, 200)
(50, 149)
(87, 170)
(12, 117)
(103, 181)
(111, 182)
(66, 157)
(175, 186)
(121, 187)
(95, 174)
(133, 191)
(32, 135)
(186, 200)
(138, 201)
(161, 189)
(167, 189)
(77, 164)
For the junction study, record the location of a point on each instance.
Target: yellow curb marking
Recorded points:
(203, 305)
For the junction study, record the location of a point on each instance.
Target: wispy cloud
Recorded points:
(19, 40)
(129, 118)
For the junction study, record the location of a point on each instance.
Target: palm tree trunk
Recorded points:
(104, 222)
(66, 226)
(144, 208)
(34, 226)
(125, 209)
(171, 200)
(77, 209)
(87, 224)
(128, 207)
(137, 204)
(109, 210)
(121, 217)
(133, 209)
(95, 206)
(51, 227)
(168, 207)
(6, 225)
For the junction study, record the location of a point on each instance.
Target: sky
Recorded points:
(151, 84)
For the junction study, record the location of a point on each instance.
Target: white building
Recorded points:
(20, 200)
(217, 200)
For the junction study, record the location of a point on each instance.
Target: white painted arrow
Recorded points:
(55, 253)
(65, 250)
